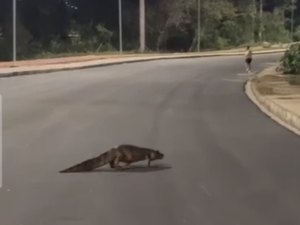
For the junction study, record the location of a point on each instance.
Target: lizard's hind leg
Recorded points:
(112, 164)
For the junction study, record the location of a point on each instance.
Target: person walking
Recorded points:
(248, 59)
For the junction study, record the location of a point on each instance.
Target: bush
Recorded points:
(274, 30)
(290, 62)
(266, 44)
(297, 34)
(6, 52)
(294, 79)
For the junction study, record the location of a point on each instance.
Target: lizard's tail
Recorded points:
(89, 164)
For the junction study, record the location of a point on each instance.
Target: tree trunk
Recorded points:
(161, 36)
(193, 43)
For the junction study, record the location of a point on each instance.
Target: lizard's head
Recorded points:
(158, 155)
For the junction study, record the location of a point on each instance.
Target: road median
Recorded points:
(276, 97)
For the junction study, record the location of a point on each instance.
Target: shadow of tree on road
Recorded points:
(129, 169)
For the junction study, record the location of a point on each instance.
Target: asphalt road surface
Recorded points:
(226, 162)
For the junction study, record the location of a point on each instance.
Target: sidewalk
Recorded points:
(272, 93)
(79, 62)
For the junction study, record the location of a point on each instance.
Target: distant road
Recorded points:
(226, 163)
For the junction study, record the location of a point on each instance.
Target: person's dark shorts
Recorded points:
(248, 60)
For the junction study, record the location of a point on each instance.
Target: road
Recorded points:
(226, 163)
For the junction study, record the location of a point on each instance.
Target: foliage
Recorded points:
(297, 34)
(89, 38)
(291, 60)
(274, 27)
(73, 26)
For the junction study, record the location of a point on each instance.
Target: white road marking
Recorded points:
(205, 190)
(271, 64)
(233, 80)
(243, 74)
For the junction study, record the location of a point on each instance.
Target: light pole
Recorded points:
(120, 28)
(253, 20)
(199, 26)
(142, 25)
(292, 18)
(260, 33)
(14, 31)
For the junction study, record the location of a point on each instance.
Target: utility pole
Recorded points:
(292, 18)
(1, 145)
(142, 25)
(14, 31)
(120, 28)
(199, 26)
(253, 20)
(261, 27)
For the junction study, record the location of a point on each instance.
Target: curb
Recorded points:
(274, 111)
(98, 63)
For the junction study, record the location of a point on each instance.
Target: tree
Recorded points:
(171, 25)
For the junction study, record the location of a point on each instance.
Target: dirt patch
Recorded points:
(271, 78)
(294, 79)
(61, 60)
(277, 84)
(264, 90)
(289, 97)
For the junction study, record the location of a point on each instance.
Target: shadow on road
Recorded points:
(129, 169)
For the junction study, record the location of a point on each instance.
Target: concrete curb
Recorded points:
(275, 111)
(101, 62)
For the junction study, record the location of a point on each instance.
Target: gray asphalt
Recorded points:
(226, 162)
